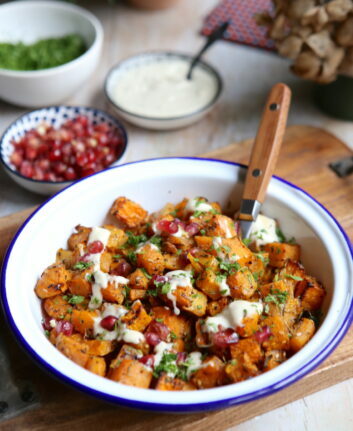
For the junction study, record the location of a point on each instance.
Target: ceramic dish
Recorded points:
(29, 21)
(156, 123)
(326, 253)
(54, 115)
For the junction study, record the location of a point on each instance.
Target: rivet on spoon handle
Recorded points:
(264, 154)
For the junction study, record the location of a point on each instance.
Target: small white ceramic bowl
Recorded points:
(56, 116)
(326, 253)
(155, 123)
(29, 21)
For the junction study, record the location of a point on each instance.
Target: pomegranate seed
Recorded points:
(181, 357)
(60, 167)
(16, 158)
(168, 226)
(85, 258)
(263, 334)
(123, 268)
(55, 155)
(44, 164)
(108, 322)
(158, 328)
(65, 327)
(95, 247)
(102, 127)
(87, 172)
(46, 323)
(26, 169)
(81, 119)
(70, 174)
(152, 339)
(192, 229)
(147, 360)
(180, 223)
(224, 338)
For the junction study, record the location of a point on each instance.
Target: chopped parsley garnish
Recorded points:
(280, 235)
(82, 265)
(117, 256)
(74, 299)
(220, 278)
(172, 335)
(47, 333)
(159, 320)
(95, 300)
(293, 277)
(246, 241)
(132, 257)
(156, 240)
(264, 258)
(165, 288)
(146, 273)
(135, 240)
(167, 365)
(203, 232)
(277, 296)
(90, 277)
(229, 267)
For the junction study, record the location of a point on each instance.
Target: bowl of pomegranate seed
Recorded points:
(47, 149)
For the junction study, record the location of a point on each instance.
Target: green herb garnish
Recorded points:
(82, 265)
(277, 296)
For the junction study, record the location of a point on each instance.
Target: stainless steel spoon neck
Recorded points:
(249, 209)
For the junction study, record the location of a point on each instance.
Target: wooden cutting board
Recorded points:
(304, 160)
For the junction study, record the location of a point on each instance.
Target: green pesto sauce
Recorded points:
(42, 54)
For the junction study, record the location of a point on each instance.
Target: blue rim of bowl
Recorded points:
(97, 41)
(180, 408)
(115, 121)
(178, 54)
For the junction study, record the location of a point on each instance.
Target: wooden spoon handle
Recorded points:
(267, 144)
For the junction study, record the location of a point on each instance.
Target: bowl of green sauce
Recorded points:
(48, 50)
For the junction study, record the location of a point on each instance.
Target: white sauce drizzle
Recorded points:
(196, 205)
(221, 252)
(223, 287)
(140, 247)
(99, 234)
(232, 316)
(194, 362)
(263, 231)
(175, 279)
(159, 351)
(180, 233)
(101, 281)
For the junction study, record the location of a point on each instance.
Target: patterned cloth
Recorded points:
(243, 28)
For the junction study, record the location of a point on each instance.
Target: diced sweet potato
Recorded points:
(210, 375)
(279, 338)
(151, 259)
(96, 365)
(273, 358)
(57, 307)
(280, 252)
(117, 237)
(131, 372)
(291, 311)
(79, 285)
(114, 292)
(201, 260)
(242, 284)
(221, 225)
(138, 279)
(273, 288)
(180, 326)
(105, 261)
(257, 264)
(99, 347)
(181, 242)
(250, 326)
(73, 349)
(136, 294)
(53, 281)
(248, 346)
(137, 317)
(313, 296)
(166, 383)
(210, 284)
(201, 337)
(303, 332)
(216, 307)
(79, 237)
(197, 301)
(204, 242)
(83, 320)
(173, 262)
(128, 352)
(128, 213)
(65, 257)
(241, 369)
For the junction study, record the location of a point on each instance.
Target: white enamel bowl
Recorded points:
(326, 253)
(154, 123)
(29, 21)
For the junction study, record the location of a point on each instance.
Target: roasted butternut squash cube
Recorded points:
(135, 294)
(99, 347)
(216, 307)
(65, 257)
(313, 296)
(242, 284)
(137, 318)
(221, 225)
(57, 307)
(248, 346)
(127, 212)
(279, 339)
(96, 365)
(273, 358)
(72, 348)
(53, 281)
(151, 259)
(210, 375)
(166, 383)
(79, 237)
(210, 284)
(280, 252)
(303, 332)
(83, 320)
(117, 237)
(131, 372)
(114, 292)
(79, 285)
(179, 326)
(191, 300)
(138, 279)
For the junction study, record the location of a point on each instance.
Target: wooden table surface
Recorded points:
(248, 74)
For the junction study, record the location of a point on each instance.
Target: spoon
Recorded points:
(213, 37)
(264, 155)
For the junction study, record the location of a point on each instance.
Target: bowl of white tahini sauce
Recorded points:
(151, 90)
